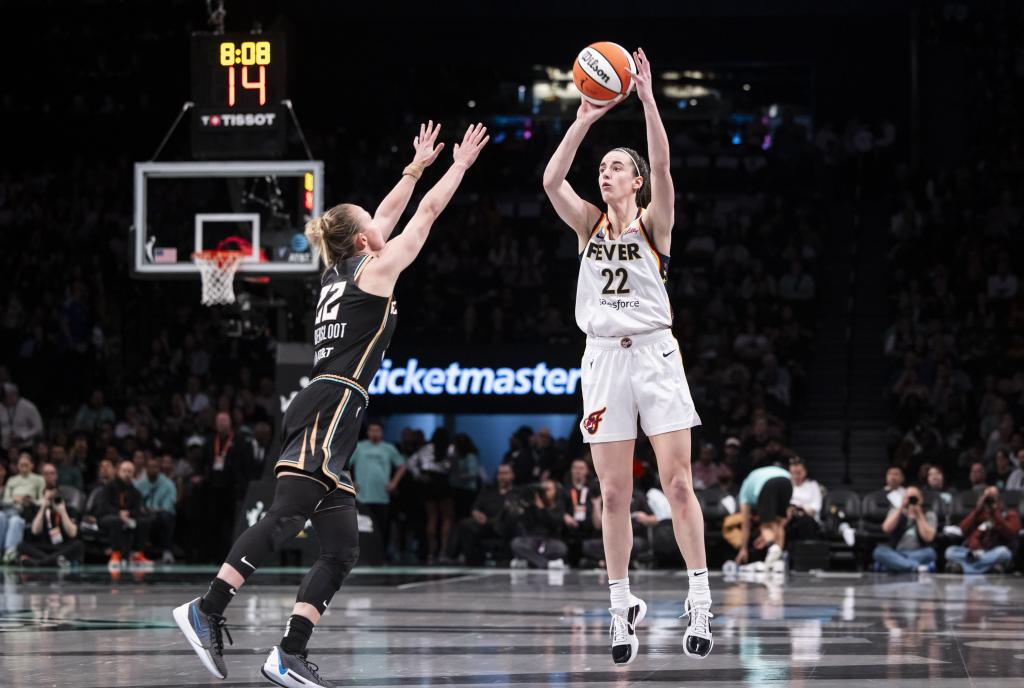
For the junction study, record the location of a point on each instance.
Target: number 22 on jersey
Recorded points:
(330, 300)
(623, 277)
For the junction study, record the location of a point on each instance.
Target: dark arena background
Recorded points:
(844, 292)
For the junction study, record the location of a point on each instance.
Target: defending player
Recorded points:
(632, 363)
(355, 318)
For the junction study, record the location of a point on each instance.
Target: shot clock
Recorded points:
(238, 83)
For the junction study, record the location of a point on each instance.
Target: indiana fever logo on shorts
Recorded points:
(591, 422)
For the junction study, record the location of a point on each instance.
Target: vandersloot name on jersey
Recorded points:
(456, 380)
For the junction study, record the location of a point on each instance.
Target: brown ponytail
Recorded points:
(333, 233)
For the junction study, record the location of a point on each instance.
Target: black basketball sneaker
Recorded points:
(203, 632)
(292, 671)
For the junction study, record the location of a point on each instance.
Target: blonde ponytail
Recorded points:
(333, 233)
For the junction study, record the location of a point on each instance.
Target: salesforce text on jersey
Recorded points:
(456, 380)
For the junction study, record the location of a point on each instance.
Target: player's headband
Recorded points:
(636, 163)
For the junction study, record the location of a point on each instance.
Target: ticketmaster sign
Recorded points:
(490, 381)
(411, 378)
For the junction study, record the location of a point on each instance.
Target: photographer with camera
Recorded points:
(991, 532)
(911, 530)
(53, 536)
(541, 526)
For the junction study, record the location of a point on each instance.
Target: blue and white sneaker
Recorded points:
(292, 671)
(203, 632)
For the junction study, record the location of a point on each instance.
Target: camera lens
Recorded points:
(912, 500)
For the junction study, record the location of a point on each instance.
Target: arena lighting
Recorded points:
(455, 380)
(677, 91)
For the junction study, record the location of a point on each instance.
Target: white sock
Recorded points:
(699, 589)
(621, 597)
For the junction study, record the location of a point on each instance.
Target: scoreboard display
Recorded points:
(238, 83)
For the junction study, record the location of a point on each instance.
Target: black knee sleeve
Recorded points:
(336, 527)
(324, 579)
(295, 499)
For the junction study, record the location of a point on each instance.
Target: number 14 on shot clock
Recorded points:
(242, 56)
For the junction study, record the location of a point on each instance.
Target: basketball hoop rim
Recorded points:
(219, 255)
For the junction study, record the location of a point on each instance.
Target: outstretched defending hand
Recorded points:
(642, 77)
(426, 152)
(472, 143)
(590, 113)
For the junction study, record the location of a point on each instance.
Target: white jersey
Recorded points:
(621, 285)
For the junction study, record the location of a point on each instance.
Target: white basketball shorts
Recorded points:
(625, 376)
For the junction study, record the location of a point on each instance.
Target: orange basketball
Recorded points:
(602, 73)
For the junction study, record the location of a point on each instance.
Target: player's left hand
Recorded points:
(426, 151)
(642, 77)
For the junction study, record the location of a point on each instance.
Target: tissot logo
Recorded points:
(250, 119)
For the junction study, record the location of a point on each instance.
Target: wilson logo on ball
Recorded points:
(594, 64)
(602, 73)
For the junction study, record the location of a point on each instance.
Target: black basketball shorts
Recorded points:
(320, 430)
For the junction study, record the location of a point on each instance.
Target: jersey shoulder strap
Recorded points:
(649, 240)
(348, 269)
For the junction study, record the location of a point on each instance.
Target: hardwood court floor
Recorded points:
(489, 627)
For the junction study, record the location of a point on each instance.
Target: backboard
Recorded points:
(257, 207)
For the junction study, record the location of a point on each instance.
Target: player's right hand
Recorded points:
(426, 151)
(472, 143)
(589, 113)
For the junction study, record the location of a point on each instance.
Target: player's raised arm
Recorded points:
(391, 208)
(661, 212)
(397, 254)
(574, 211)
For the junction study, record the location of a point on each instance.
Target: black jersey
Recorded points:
(352, 329)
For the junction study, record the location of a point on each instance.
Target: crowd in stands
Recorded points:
(956, 340)
(129, 483)
(426, 505)
(430, 502)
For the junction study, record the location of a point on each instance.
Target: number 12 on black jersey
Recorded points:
(330, 298)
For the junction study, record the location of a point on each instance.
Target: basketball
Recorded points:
(602, 72)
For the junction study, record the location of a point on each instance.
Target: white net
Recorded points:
(217, 269)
